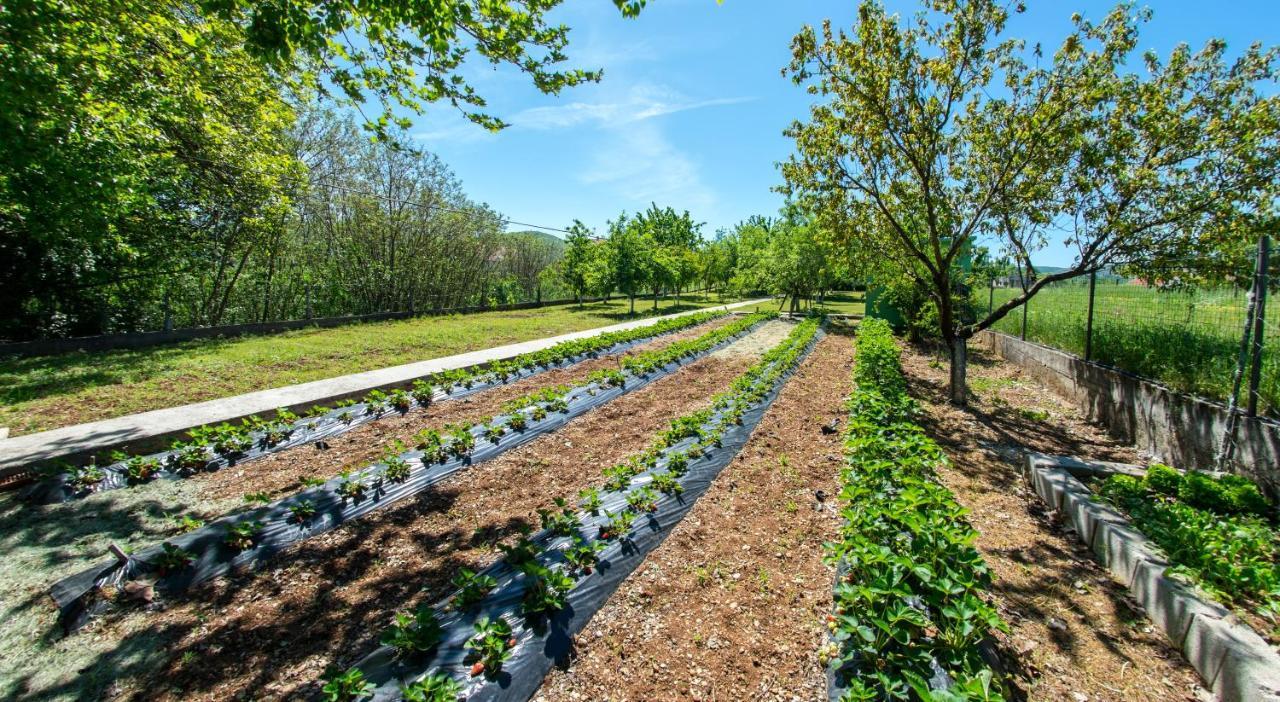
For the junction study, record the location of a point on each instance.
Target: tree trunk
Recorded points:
(633, 303)
(959, 368)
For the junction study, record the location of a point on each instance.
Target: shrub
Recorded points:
(1163, 479)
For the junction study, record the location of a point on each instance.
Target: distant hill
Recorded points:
(546, 236)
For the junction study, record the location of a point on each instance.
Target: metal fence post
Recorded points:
(1260, 284)
(1025, 304)
(1088, 322)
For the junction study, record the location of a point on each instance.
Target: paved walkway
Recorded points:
(68, 442)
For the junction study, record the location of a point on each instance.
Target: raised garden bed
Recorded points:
(1230, 556)
(245, 538)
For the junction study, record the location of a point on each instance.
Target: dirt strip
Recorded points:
(1076, 634)
(731, 606)
(272, 634)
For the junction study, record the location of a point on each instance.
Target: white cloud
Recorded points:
(641, 103)
(641, 165)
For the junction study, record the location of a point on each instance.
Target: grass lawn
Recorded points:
(844, 303)
(54, 391)
(1188, 340)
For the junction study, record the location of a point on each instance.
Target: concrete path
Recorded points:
(147, 429)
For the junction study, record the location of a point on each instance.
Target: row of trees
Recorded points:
(179, 157)
(938, 132)
(661, 251)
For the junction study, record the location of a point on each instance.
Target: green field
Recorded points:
(843, 303)
(53, 391)
(1188, 340)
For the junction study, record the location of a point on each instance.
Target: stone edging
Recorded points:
(1236, 663)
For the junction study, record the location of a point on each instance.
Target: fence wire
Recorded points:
(1185, 336)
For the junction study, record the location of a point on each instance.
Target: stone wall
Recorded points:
(1173, 427)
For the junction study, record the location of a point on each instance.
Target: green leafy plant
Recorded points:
(423, 392)
(561, 521)
(522, 551)
(518, 422)
(412, 634)
(310, 481)
(172, 559)
(461, 442)
(351, 488)
(472, 588)
(546, 590)
(589, 500)
(493, 432)
(186, 523)
(436, 687)
(242, 535)
(617, 525)
(348, 686)
(138, 469)
(667, 483)
(303, 511)
(397, 469)
(86, 477)
(400, 401)
(432, 446)
(642, 500)
(188, 458)
(582, 556)
(258, 498)
(490, 646)
(538, 413)
(678, 464)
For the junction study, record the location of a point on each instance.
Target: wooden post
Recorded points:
(1088, 324)
(991, 297)
(1259, 322)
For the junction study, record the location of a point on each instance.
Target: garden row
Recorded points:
(909, 606)
(242, 539)
(212, 447)
(500, 631)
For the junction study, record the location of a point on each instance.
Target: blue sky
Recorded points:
(692, 106)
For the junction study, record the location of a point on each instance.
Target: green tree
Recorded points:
(579, 255)
(936, 131)
(631, 256)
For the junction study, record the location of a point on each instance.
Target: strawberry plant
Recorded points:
(411, 634)
(397, 469)
(257, 498)
(562, 521)
(187, 523)
(432, 446)
(242, 535)
(518, 422)
(310, 481)
(617, 525)
(461, 442)
(678, 464)
(521, 552)
(436, 687)
(667, 484)
(172, 559)
(618, 477)
(493, 432)
(303, 511)
(423, 392)
(490, 646)
(376, 403)
(546, 590)
(138, 469)
(345, 417)
(582, 556)
(642, 500)
(589, 500)
(188, 458)
(558, 404)
(608, 377)
(400, 401)
(351, 489)
(85, 477)
(349, 686)
(538, 413)
(472, 588)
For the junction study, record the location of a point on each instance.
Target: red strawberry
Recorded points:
(511, 642)
(477, 669)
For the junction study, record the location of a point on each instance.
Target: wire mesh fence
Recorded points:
(1186, 337)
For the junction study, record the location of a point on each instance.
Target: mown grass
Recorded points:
(1186, 340)
(843, 303)
(47, 392)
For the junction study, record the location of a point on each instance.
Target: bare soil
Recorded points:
(272, 634)
(1075, 633)
(731, 606)
(281, 473)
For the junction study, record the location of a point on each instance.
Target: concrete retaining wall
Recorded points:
(1174, 427)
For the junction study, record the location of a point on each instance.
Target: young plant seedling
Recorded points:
(138, 469)
(172, 559)
(518, 422)
(494, 432)
(461, 442)
(187, 523)
(431, 444)
(303, 511)
(617, 524)
(397, 470)
(436, 687)
(400, 401)
(583, 556)
(472, 588)
(310, 481)
(353, 490)
(412, 634)
(538, 413)
(423, 392)
(562, 521)
(667, 483)
(188, 458)
(257, 498)
(546, 590)
(522, 551)
(589, 500)
(86, 477)
(642, 500)
(678, 464)
(241, 536)
(349, 686)
(490, 646)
